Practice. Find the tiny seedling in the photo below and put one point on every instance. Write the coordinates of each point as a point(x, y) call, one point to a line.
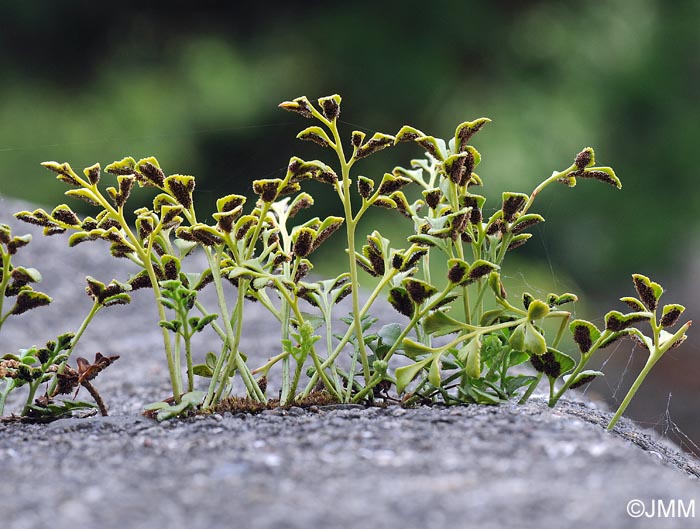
point(460, 338)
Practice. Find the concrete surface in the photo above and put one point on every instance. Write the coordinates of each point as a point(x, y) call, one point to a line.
point(326, 467)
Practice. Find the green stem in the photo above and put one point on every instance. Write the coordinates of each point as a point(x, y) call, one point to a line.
point(177, 357)
point(555, 176)
point(236, 360)
point(531, 389)
point(467, 309)
point(562, 330)
point(188, 357)
point(506, 305)
point(478, 309)
point(295, 381)
point(294, 306)
point(328, 320)
point(477, 332)
point(551, 387)
point(332, 389)
point(145, 257)
point(585, 357)
point(288, 385)
point(203, 311)
point(258, 228)
point(453, 197)
point(399, 340)
point(74, 342)
point(9, 386)
point(264, 300)
point(505, 242)
point(33, 386)
point(376, 379)
point(654, 357)
point(351, 378)
point(350, 224)
point(265, 368)
point(630, 394)
point(3, 284)
point(253, 389)
point(554, 398)
point(426, 267)
point(286, 389)
point(344, 340)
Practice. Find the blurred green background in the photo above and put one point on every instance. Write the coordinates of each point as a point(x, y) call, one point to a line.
point(198, 88)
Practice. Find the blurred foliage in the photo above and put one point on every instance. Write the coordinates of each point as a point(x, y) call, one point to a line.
point(198, 88)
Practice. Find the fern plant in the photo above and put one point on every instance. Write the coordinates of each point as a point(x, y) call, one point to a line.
point(460, 338)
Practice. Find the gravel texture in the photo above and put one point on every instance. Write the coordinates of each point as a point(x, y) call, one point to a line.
point(324, 467)
point(346, 467)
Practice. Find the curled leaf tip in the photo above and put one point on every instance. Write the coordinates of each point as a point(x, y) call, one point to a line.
point(603, 174)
